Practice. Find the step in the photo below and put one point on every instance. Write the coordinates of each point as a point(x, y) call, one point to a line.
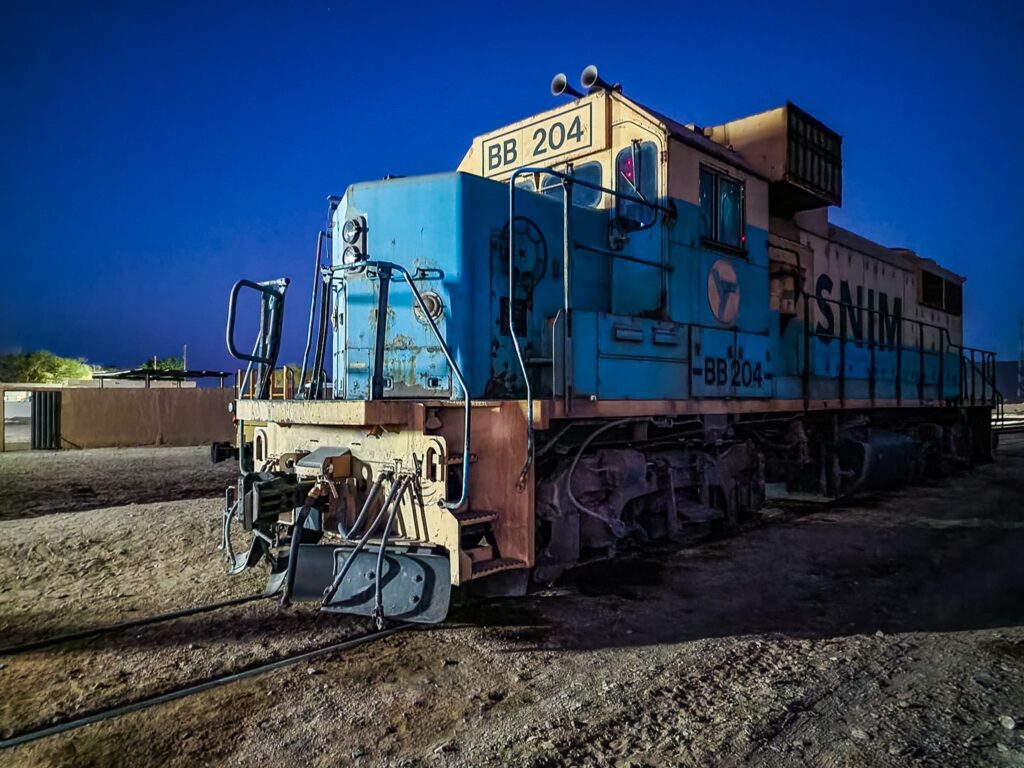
point(475, 517)
point(480, 554)
point(487, 567)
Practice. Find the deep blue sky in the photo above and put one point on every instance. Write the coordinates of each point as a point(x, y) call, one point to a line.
point(151, 154)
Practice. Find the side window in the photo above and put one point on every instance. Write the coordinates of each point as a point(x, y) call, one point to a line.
point(931, 289)
point(636, 175)
point(721, 209)
point(590, 173)
point(707, 205)
point(954, 298)
point(941, 294)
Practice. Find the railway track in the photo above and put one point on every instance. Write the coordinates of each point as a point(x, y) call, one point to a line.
point(1008, 424)
point(106, 629)
point(172, 693)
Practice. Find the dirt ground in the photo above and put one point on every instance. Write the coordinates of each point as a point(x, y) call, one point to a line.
point(44, 482)
point(884, 633)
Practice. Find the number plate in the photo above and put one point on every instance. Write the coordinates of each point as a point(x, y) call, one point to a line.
point(730, 364)
point(539, 142)
point(726, 372)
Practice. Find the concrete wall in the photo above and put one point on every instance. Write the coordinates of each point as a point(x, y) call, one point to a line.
point(100, 418)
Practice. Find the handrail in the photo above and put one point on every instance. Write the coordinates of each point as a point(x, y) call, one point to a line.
point(387, 267)
point(316, 374)
point(568, 182)
point(268, 339)
point(273, 289)
point(624, 256)
point(667, 210)
point(987, 357)
point(942, 328)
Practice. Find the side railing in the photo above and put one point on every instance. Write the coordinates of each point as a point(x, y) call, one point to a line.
point(977, 366)
point(282, 385)
point(568, 182)
point(263, 359)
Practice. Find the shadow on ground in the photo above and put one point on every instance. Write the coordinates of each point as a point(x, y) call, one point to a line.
point(943, 557)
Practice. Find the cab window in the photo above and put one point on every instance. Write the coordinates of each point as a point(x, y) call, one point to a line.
point(552, 185)
point(588, 172)
point(721, 209)
point(636, 175)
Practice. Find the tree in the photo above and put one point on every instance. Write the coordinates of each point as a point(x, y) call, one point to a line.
point(42, 367)
point(172, 363)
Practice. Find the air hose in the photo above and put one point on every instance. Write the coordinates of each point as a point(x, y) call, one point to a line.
point(293, 550)
point(391, 498)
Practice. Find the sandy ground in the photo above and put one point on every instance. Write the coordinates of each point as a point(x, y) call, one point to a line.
point(885, 633)
point(45, 482)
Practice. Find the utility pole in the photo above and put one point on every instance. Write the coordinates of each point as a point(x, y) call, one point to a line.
point(184, 357)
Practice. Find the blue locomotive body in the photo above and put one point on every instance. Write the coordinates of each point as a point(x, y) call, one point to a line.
point(633, 332)
point(644, 317)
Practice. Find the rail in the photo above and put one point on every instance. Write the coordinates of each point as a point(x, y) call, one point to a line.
point(103, 629)
point(1008, 423)
point(174, 694)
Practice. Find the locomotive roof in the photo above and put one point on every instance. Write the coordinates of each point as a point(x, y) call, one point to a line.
point(689, 134)
point(905, 258)
point(694, 136)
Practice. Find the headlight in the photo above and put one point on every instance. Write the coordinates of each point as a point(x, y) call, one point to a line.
point(352, 229)
point(351, 256)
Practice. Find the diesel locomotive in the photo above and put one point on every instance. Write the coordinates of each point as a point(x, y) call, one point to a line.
point(603, 325)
